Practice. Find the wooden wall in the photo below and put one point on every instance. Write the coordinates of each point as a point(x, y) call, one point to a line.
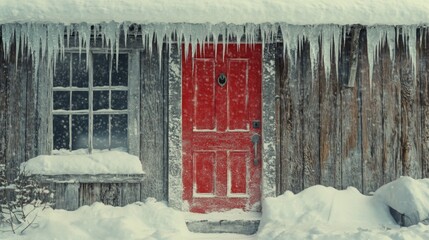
point(20, 118)
point(345, 130)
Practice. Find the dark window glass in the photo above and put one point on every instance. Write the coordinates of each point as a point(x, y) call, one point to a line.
point(61, 100)
point(62, 72)
point(61, 132)
point(119, 131)
point(120, 74)
point(101, 69)
point(80, 100)
point(79, 131)
point(101, 132)
point(119, 100)
point(101, 100)
point(79, 71)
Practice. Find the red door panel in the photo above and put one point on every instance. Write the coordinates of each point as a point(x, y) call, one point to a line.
point(219, 167)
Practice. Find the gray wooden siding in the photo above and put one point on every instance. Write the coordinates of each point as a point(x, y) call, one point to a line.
point(25, 130)
point(345, 131)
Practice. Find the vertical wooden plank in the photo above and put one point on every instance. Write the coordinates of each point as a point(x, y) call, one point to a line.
point(89, 193)
point(59, 190)
point(291, 142)
point(372, 126)
point(310, 114)
point(110, 194)
point(71, 196)
point(31, 109)
point(175, 184)
point(330, 125)
point(4, 89)
point(411, 116)
point(268, 121)
point(130, 193)
point(424, 86)
point(391, 116)
point(350, 127)
point(44, 107)
point(134, 103)
point(152, 125)
point(15, 151)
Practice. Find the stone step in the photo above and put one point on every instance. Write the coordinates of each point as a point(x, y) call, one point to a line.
point(237, 222)
point(246, 227)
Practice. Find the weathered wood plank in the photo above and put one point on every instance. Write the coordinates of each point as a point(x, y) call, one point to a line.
point(110, 194)
point(330, 127)
point(89, 193)
point(423, 53)
point(372, 136)
point(291, 137)
point(351, 154)
point(152, 125)
point(44, 115)
point(411, 117)
point(66, 196)
point(31, 110)
point(310, 114)
point(391, 117)
point(130, 193)
point(96, 178)
point(16, 118)
point(4, 89)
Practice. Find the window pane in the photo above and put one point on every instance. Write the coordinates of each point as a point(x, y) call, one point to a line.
point(101, 132)
point(61, 100)
point(79, 131)
point(101, 100)
point(119, 131)
point(101, 69)
point(120, 74)
point(61, 131)
point(62, 72)
point(119, 100)
point(79, 100)
point(79, 71)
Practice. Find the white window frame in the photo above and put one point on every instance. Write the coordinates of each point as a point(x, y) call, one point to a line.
point(133, 107)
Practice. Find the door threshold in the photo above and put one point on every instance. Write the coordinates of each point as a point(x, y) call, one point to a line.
point(234, 221)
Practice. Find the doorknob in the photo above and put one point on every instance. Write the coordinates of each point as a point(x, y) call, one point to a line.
point(255, 141)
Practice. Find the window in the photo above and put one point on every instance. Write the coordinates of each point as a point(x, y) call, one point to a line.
point(90, 102)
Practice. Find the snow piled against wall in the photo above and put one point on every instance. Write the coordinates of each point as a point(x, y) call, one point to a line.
point(79, 162)
point(366, 12)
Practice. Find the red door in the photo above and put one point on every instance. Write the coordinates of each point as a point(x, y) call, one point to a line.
point(221, 110)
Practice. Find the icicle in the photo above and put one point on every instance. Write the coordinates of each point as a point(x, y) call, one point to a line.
point(290, 36)
point(390, 36)
point(125, 27)
point(326, 50)
point(84, 35)
point(7, 36)
point(374, 36)
point(111, 32)
point(313, 37)
point(410, 32)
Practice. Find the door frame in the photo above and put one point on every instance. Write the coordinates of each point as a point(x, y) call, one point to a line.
point(268, 179)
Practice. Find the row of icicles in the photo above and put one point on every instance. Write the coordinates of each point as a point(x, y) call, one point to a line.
point(47, 40)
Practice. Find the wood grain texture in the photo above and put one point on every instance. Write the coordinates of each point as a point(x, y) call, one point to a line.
point(423, 56)
point(153, 124)
point(372, 112)
point(310, 118)
point(4, 89)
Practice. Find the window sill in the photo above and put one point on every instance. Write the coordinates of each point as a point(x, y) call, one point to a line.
point(90, 178)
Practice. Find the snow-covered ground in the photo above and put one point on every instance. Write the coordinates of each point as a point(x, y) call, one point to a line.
point(316, 213)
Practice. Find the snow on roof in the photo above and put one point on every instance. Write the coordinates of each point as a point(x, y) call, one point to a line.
point(366, 12)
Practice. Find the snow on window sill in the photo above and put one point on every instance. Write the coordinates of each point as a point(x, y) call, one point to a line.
point(79, 166)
